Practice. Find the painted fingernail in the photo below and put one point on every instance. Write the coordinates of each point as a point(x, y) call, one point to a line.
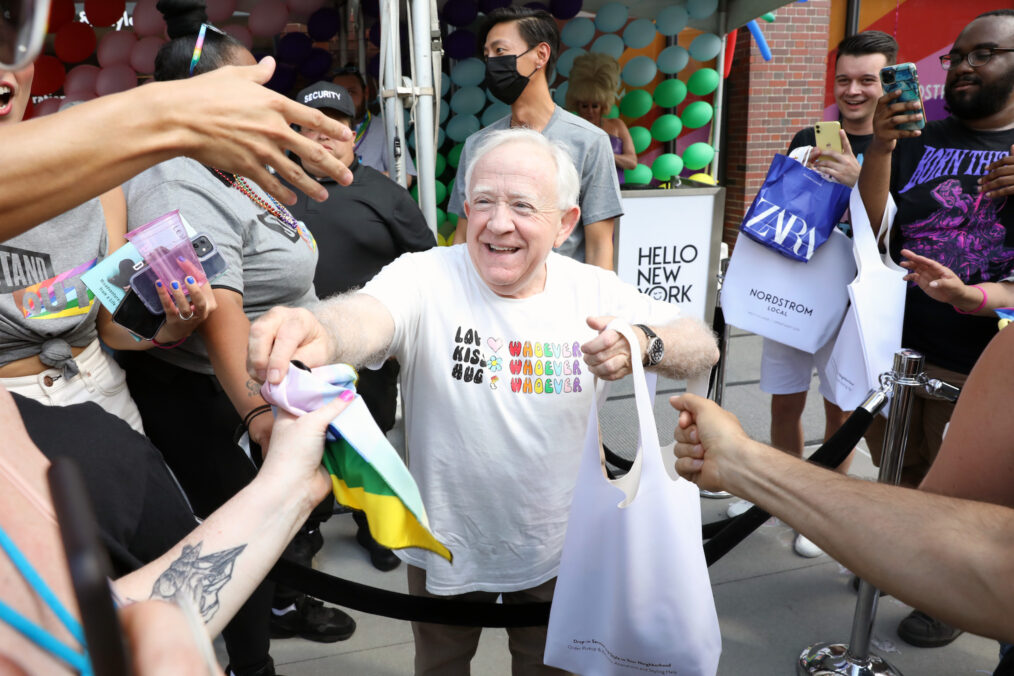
point(181, 259)
point(158, 283)
point(191, 280)
point(175, 285)
point(347, 395)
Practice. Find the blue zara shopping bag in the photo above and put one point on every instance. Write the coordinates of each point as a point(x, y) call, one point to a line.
point(795, 210)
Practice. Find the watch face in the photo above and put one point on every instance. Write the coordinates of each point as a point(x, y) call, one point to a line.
point(655, 351)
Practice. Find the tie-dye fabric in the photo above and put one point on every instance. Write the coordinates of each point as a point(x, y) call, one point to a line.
point(366, 472)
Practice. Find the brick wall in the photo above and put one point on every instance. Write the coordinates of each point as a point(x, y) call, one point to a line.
point(769, 101)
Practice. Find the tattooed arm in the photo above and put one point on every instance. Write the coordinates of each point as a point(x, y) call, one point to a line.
point(221, 562)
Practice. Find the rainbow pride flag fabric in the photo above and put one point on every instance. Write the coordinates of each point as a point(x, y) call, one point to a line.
point(366, 472)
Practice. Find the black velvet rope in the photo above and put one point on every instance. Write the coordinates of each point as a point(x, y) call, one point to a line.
point(722, 535)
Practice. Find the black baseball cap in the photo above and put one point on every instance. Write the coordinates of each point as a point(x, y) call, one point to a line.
point(325, 95)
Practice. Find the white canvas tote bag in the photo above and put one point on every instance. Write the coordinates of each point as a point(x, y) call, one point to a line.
point(871, 331)
point(633, 596)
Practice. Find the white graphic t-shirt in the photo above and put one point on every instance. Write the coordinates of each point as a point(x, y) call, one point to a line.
point(497, 400)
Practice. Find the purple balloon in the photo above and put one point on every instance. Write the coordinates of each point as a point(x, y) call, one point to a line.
point(460, 44)
point(374, 34)
point(283, 79)
point(323, 24)
point(565, 9)
point(294, 48)
point(316, 65)
point(460, 12)
point(371, 7)
point(537, 5)
point(488, 6)
point(373, 66)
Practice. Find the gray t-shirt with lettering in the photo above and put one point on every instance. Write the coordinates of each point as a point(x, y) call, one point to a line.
point(593, 157)
point(268, 261)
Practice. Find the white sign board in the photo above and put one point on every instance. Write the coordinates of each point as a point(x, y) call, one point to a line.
point(668, 246)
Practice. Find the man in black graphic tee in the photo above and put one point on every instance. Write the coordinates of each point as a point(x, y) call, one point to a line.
point(934, 178)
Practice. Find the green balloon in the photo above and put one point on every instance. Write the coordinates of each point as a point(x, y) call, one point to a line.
point(703, 82)
point(452, 218)
point(666, 128)
point(636, 103)
point(639, 175)
point(614, 112)
point(414, 191)
point(455, 155)
point(441, 165)
point(641, 137)
point(450, 188)
point(441, 191)
point(697, 114)
point(670, 93)
point(441, 217)
point(768, 16)
point(697, 156)
point(666, 166)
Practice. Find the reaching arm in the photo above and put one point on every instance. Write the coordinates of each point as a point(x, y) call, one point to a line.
point(690, 349)
point(353, 328)
point(975, 459)
point(874, 529)
point(225, 558)
point(875, 176)
point(940, 283)
point(598, 243)
point(224, 118)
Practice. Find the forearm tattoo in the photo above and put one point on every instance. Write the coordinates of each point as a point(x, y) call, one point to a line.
point(200, 578)
point(253, 388)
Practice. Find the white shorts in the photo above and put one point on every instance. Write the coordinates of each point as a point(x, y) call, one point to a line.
point(100, 380)
point(786, 370)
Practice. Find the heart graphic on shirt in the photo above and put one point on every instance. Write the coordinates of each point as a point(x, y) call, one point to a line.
point(494, 344)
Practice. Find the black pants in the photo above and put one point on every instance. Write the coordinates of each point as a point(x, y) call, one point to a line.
point(191, 420)
point(379, 390)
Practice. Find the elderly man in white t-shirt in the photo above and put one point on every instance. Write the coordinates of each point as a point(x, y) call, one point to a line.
point(500, 343)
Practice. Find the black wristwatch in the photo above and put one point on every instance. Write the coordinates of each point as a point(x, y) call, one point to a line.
point(656, 348)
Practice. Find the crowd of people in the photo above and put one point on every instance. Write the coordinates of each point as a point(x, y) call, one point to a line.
point(327, 259)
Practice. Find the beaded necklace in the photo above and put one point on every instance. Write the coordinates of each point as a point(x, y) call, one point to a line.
point(278, 211)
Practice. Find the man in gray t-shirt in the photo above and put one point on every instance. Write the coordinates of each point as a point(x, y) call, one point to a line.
point(521, 46)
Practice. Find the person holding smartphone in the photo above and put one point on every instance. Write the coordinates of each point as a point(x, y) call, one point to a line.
point(785, 371)
point(951, 183)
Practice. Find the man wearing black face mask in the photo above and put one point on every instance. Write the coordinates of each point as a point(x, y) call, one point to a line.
point(520, 48)
point(952, 185)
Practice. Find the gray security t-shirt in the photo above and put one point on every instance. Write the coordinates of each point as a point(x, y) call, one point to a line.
point(593, 157)
point(269, 262)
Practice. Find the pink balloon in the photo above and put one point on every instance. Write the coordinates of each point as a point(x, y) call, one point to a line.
point(241, 33)
point(47, 107)
point(304, 7)
point(220, 10)
point(81, 80)
point(148, 20)
point(268, 18)
point(142, 56)
point(114, 47)
point(118, 78)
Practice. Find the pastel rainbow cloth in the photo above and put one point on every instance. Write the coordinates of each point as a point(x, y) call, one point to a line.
point(366, 472)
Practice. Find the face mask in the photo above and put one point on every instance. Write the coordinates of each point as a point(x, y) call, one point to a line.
point(503, 79)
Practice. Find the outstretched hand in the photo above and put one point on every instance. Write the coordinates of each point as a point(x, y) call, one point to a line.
point(709, 442)
point(937, 280)
point(235, 124)
point(284, 334)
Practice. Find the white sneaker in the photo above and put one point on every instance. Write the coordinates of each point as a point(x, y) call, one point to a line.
point(738, 507)
point(805, 547)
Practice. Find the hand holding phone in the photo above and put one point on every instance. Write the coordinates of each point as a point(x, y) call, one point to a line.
point(827, 135)
point(903, 77)
point(143, 281)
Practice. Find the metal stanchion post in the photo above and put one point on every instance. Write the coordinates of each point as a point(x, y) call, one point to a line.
point(854, 658)
point(716, 386)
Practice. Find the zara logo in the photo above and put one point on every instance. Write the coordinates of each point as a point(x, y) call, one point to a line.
point(770, 218)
